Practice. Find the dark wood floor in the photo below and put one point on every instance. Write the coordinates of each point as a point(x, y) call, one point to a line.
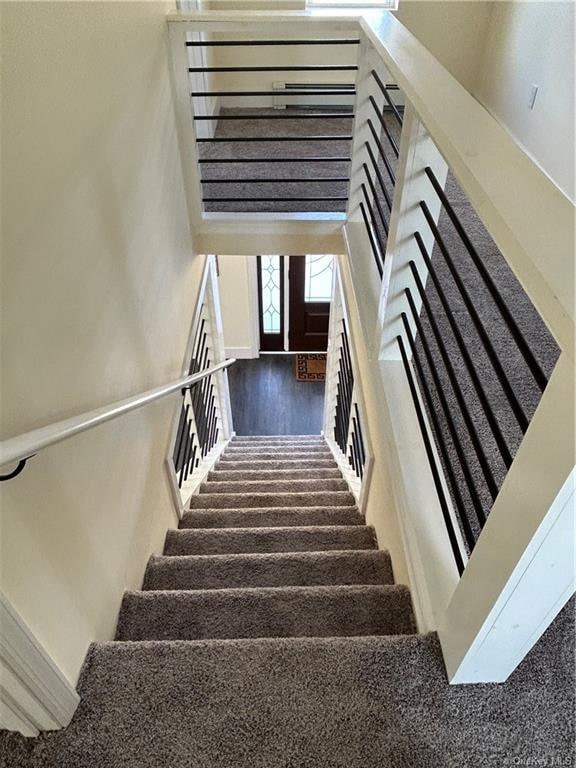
point(267, 399)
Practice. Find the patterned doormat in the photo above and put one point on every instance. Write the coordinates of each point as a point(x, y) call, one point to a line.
point(310, 367)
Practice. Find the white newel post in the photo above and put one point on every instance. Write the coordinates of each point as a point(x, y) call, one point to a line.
point(219, 353)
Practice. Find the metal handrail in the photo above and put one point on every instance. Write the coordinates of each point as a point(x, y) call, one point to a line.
point(23, 447)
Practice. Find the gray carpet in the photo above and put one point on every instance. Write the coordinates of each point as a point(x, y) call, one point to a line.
point(305, 611)
point(271, 517)
point(265, 170)
point(261, 646)
point(278, 569)
point(221, 541)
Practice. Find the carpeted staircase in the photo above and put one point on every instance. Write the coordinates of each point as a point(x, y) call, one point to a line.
point(273, 546)
point(270, 634)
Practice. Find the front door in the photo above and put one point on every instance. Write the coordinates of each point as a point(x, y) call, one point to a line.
point(310, 292)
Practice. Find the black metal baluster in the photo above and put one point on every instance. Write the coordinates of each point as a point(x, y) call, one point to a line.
point(179, 462)
point(251, 43)
point(360, 435)
point(378, 257)
point(461, 400)
point(386, 95)
point(375, 198)
point(442, 446)
point(496, 364)
point(385, 128)
point(194, 366)
point(312, 116)
point(382, 153)
point(379, 176)
point(489, 413)
point(358, 463)
point(432, 460)
point(507, 316)
point(373, 221)
point(189, 442)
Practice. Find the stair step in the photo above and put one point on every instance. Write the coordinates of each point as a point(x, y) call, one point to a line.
point(304, 473)
point(233, 449)
point(281, 455)
point(353, 702)
point(258, 517)
point(273, 464)
point(251, 500)
point(334, 611)
point(285, 569)
point(254, 440)
point(274, 486)
point(220, 541)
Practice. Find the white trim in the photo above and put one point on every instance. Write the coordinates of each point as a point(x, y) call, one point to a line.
point(254, 303)
point(539, 587)
point(192, 485)
point(34, 694)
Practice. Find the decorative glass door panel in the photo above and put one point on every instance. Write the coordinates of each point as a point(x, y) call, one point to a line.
point(271, 302)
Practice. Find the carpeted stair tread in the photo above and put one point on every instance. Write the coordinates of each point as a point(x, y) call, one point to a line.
point(272, 455)
point(240, 500)
point(283, 569)
point(272, 464)
point(251, 439)
point(233, 450)
point(339, 702)
point(334, 611)
point(220, 541)
point(274, 485)
point(303, 473)
point(258, 517)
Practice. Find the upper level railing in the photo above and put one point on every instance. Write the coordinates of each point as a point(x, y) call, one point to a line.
point(272, 118)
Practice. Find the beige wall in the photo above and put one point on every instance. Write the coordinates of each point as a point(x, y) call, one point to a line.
point(454, 31)
point(98, 288)
point(237, 284)
point(533, 43)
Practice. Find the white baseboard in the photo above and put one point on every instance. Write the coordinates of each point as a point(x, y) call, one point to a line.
point(34, 694)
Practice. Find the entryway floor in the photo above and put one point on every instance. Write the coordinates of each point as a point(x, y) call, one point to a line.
point(267, 399)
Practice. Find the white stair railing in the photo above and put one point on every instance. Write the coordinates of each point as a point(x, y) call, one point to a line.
point(346, 427)
point(490, 616)
point(202, 424)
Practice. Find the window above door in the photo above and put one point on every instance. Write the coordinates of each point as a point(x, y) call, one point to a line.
point(318, 277)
